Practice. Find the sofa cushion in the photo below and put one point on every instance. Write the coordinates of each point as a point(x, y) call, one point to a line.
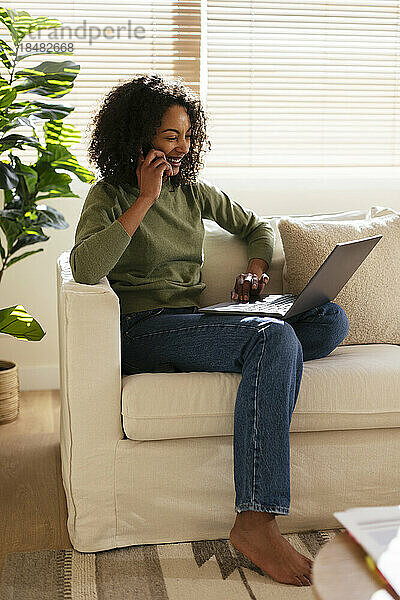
point(370, 297)
point(355, 387)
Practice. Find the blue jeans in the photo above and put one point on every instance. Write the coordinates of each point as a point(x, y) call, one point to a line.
point(269, 352)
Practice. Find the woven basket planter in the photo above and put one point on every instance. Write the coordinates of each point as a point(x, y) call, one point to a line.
point(9, 391)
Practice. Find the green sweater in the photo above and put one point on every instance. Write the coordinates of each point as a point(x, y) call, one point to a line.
point(160, 265)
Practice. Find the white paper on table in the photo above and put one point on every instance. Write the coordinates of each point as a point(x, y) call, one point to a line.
point(377, 530)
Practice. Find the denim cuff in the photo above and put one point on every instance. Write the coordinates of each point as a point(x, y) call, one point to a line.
point(280, 510)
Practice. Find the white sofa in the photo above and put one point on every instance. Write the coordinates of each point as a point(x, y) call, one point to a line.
point(148, 458)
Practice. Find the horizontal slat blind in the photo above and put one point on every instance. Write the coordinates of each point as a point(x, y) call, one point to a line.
point(287, 83)
point(170, 44)
point(303, 82)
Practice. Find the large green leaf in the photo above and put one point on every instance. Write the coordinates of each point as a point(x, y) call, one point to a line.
point(17, 140)
point(52, 184)
point(41, 109)
point(45, 109)
point(16, 321)
point(20, 230)
point(20, 23)
point(57, 132)
point(11, 230)
point(7, 16)
point(53, 79)
point(7, 93)
point(21, 256)
point(28, 112)
point(7, 54)
point(61, 158)
point(29, 237)
point(6, 125)
point(40, 215)
point(27, 178)
point(58, 193)
point(49, 217)
point(8, 177)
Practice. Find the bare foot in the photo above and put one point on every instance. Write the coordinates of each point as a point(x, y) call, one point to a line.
point(257, 536)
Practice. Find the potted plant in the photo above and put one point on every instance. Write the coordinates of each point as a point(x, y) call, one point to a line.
point(24, 187)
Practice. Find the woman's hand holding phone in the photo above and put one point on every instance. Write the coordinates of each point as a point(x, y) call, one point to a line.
point(151, 172)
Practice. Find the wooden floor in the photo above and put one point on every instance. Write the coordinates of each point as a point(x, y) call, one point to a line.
point(32, 501)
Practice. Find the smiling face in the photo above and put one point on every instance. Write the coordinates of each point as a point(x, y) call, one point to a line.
point(173, 136)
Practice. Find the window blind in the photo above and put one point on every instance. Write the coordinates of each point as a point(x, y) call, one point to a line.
point(303, 82)
point(285, 83)
point(111, 43)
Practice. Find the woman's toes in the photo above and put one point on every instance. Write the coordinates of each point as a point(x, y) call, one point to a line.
point(303, 579)
point(308, 574)
point(299, 581)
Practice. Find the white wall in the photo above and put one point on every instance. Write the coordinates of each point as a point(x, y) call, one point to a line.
point(277, 191)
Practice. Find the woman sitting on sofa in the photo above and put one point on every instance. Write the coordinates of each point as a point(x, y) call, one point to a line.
point(141, 226)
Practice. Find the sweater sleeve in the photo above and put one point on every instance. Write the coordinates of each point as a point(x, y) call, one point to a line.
point(230, 215)
point(100, 239)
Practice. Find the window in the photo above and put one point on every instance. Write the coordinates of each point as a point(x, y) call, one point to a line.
point(286, 83)
point(304, 82)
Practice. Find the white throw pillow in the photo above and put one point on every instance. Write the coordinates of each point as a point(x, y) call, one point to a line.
point(370, 297)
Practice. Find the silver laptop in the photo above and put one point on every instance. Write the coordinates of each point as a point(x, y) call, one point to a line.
point(323, 286)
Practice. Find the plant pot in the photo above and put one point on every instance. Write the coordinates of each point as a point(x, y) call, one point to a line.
point(9, 391)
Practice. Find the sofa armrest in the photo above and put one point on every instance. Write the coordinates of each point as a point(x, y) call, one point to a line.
point(90, 354)
point(90, 386)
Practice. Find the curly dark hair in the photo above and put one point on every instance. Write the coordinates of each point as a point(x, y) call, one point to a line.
point(129, 116)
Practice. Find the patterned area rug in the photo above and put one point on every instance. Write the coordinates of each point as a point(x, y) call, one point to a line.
point(211, 569)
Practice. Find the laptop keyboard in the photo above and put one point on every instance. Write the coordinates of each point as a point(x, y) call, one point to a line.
point(270, 302)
